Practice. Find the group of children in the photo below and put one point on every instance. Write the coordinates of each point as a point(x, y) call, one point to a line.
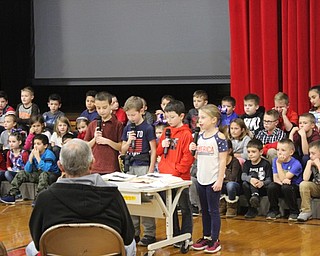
point(261, 153)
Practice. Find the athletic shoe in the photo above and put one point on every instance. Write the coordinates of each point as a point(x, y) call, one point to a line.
point(273, 215)
point(255, 201)
point(201, 244)
point(146, 240)
point(213, 247)
point(195, 210)
point(179, 244)
point(304, 216)
point(19, 198)
point(8, 199)
point(251, 213)
point(293, 217)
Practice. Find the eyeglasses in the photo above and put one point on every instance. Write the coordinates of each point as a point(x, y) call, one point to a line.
point(269, 121)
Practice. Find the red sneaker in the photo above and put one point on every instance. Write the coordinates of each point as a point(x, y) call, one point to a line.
point(213, 247)
point(201, 244)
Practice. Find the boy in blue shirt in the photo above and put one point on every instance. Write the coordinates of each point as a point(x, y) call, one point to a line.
point(287, 175)
point(41, 165)
point(50, 117)
point(228, 104)
point(139, 146)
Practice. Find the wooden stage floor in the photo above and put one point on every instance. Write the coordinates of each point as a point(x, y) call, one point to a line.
point(239, 236)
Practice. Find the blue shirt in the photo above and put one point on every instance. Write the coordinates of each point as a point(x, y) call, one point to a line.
point(48, 163)
point(293, 166)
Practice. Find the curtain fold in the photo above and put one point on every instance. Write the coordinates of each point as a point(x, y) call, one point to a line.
point(274, 47)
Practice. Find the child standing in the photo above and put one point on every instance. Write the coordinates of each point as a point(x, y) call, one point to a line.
point(104, 139)
point(314, 97)
point(139, 145)
point(228, 104)
point(82, 126)
point(212, 151)
point(287, 175)
point(50, 117)
point(310, 188)
point(253, 117)
point(90, 111)
point(239, 136)
point(16, 156)
point(303, 135)
point(177, 160)
point(231, 185)
point(256, 176)
point(26, 109)
point(36, 127)
point(200, 98)
point(40, 165)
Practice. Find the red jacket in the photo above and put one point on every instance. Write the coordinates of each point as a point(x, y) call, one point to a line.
point(178, 161)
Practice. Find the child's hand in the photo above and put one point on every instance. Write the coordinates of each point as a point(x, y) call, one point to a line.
point(254, 182)
point(284, 111)
point(260, 184)
point(316, 162)
point(302, 132)
point(165, 143)
point(97, 133)
point(31, 130)
point(131, 137)
point(294, 130)
point(217, 186)
point(192, 146)
point(286, 181)
point(36, 153)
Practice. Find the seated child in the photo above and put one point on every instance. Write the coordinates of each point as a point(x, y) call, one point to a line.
point(16, 156)
point(310, 186)
point(118, 111)
point(239, 136)
point(228, 105)
point(256, 176)
point(146, 114)
point(271, 134)
point(287, 175)
point(4, 109)
point(200, 98)
point(160, 112)
point(90, 112)
point(303, 135)
point(41, 164)
point(82, 125)
point(10, 122)
point(287, 117)
point(50, 117)
point(26, 109)
point(253, 117)
point(231, 185)
point(314, 97)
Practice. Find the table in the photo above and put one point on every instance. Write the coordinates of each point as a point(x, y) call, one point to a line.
point(155, 207)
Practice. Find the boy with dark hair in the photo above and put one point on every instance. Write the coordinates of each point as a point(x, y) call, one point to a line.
point(104, 136)
point(26, 108)
point(310, 186)
point(200, 98)
point(253, 113)
point(287, 175)
point(303, 135)
point(4, 109)
point(41, 165)
point(50, 117)
point(176, 159)
point(90, 112)
point(256, 176)
point(228, 105)
point(139, 146)
point(271, 134)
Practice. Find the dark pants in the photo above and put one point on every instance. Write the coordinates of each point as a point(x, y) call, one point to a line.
point(290, 193)
point(248, 190)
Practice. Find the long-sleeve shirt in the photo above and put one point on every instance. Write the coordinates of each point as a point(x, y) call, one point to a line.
point(48, 163)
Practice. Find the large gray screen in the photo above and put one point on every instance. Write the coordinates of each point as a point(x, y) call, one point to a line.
point(131, 38)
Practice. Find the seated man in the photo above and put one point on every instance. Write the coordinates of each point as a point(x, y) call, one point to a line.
point(80, 197)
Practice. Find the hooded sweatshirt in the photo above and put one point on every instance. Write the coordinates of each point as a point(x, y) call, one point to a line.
point(178, 160)
point(81, 200)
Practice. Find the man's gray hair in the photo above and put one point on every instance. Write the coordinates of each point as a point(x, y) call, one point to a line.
point(76, 157)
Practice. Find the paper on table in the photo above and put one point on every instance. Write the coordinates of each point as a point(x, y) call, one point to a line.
point(118, 176)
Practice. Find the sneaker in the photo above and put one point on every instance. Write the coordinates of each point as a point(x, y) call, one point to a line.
point(195, 210)
point(273, 215)
point(8, 199)
point(201, 244)
point(146, 240)
point(304, 216)
point(255, 201)
point(179, 244)
point(293, 217)
point(19, 198)
point(251, 213)
point(137, 239)
point(213, 247)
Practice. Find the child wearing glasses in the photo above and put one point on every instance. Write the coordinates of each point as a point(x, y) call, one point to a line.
point(303, 135)
point(271, 134)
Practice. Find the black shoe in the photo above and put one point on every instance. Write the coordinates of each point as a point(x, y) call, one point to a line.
point(255, 201)
point(137, 239)
point(195, 210)
point(251, 213)
point(146, 240)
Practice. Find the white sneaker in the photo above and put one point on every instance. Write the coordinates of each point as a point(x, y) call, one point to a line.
point(304, 216)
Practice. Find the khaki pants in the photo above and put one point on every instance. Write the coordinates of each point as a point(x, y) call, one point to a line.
point(308, 189)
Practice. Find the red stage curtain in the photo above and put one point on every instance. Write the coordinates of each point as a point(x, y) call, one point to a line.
point(274, 47)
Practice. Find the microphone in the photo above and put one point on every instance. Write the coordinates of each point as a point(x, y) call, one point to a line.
point(195, 138)
point(168, 136)
point(133, 129)
point(99, 123)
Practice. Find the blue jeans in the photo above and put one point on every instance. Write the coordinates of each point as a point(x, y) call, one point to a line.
point(10, 175)
point(209, 200)
point(231, 189)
